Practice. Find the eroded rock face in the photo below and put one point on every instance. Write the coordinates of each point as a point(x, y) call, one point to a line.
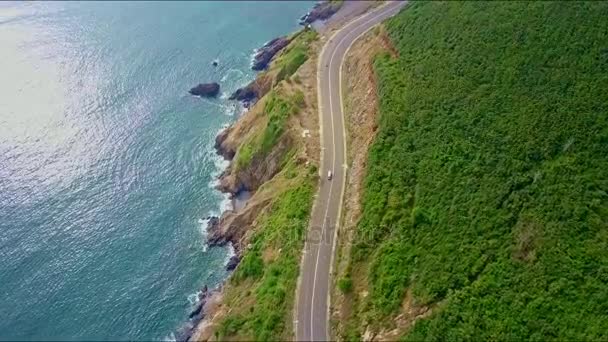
point(198, 308)
point(247, 94)
point(266, 52)
point(321, 11)
point(205, 90)
point(217, 235)
point(260, 169)
point(223, 149)
point(233, 227)
point(253, 91)
point(184, 333)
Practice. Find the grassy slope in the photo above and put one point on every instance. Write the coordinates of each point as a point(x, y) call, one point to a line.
point(260, 293)
point(277, 109)
point(295, 54)
point(263, 286)
point(487, 188)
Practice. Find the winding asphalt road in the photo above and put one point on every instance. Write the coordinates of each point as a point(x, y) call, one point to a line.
point(311, 317)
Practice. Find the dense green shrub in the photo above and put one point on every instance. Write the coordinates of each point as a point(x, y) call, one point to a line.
point(487, 183)
point(252, 266)
point(345, 284)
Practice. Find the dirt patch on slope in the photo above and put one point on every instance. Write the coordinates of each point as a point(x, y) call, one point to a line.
point(361, 112)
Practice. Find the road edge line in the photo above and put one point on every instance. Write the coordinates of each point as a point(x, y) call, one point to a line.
point(339, 216)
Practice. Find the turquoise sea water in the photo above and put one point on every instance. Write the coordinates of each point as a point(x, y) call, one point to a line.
point(107, 164)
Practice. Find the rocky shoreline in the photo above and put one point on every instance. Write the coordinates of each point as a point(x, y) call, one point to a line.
point(196, 316)
point(265, 54)
point(232, 225)
point(321, 11)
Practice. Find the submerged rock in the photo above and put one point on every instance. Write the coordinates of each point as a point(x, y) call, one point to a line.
point(232, 263)
point(184, 333)
point(266, 52)
point(197, 309)
point(205, 90)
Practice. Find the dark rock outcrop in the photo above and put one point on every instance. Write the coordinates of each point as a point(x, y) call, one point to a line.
point(216, 237)
point(248, 95)
point(213, 223)
point(184, 333)
point(321, 11)
point(206, 90)
point(202, 299)
point(266, 52)
point(232, 263)
point(253, 91)
point(234, 226)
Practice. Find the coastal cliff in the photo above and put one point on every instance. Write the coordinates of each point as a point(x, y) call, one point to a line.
point(261, 142)
point(273, 151)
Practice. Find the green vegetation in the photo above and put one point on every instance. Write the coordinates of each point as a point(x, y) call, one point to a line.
point(295, 54)
point(265, 281)
point(277, 109)
point(486, 193)
point(246, 152)
point(298, 99)
point(345, 285)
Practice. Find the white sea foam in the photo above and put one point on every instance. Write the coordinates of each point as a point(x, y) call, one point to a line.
point(169, 338)
point(230, 109)
point(232, 72)
point(230, 254)
point(220, 165)
point(226, 203)
point(203, 225)
point(193, 298)
point(252, 57)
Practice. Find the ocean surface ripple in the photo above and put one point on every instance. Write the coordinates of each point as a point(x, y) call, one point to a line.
point(106, 163)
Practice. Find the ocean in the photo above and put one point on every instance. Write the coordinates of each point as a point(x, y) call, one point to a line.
point(107, 164)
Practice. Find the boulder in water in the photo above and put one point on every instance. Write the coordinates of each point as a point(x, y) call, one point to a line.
point(205, 90)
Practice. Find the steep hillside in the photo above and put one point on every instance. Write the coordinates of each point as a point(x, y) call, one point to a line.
point(485, 204)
